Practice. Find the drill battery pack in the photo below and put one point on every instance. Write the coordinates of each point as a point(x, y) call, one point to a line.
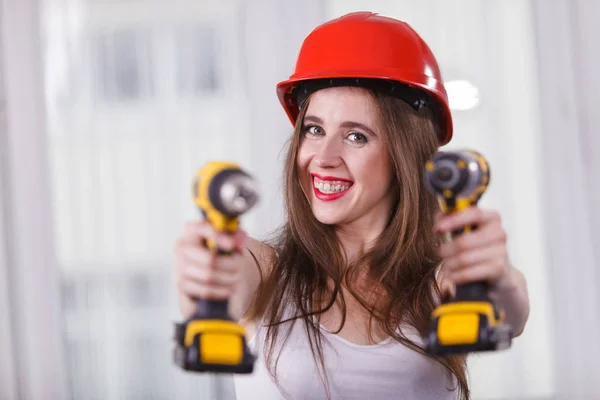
point(467, 326)
point(212, 346)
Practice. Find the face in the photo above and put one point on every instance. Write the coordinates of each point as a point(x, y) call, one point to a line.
point(344, 164)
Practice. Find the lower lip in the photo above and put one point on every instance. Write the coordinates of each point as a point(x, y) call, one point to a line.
point(329, 196)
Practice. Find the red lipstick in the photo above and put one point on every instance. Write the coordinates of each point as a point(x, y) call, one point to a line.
point(331, 178)
point(330, 196)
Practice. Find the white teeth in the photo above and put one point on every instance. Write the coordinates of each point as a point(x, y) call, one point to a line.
point(328, 188)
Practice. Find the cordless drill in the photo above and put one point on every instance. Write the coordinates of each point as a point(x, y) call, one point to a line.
point(470, 321)
point(210, 341)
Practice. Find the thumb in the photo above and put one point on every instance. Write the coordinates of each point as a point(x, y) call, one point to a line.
point(240, 238)
point(446, 286)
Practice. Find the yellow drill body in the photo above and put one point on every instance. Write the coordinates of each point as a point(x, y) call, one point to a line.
point(210, 341)
point(470, 322)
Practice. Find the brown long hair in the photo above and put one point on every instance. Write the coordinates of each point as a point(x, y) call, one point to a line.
point(310, 268)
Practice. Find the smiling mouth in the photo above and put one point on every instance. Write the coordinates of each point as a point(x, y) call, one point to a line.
point(330, 189)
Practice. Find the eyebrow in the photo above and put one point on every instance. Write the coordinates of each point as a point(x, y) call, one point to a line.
point(345, 124)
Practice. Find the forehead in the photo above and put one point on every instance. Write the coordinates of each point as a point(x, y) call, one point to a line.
point(339, 104)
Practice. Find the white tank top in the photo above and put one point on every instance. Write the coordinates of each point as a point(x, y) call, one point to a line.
point(387, 370)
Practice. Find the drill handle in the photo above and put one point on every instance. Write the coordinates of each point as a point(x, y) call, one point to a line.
point(212, 246)
point(465, 229)
point(473, 291)
point(213, 309)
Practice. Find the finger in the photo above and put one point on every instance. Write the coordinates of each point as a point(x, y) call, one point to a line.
point(469, 216)
point(437, 217)
point(201, 291)
point(475, 256)
point(441, 273)
point(489, 272)
point(447, 290)
point(487, 235)
point(445, 286)
point(198, 256)
point(240, 239)
point(225, 241)
point(231, 262)
point(210, 276)
point(196, 232)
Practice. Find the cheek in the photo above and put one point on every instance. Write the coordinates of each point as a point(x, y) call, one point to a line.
point(305, 154)
point(376, 172)
point(302, 161)
point(386, 170)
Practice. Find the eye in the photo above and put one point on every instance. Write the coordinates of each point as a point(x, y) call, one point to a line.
point(357, 137)
point(313, 130)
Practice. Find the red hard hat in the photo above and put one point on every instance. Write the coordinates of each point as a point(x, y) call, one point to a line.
point(364, 45)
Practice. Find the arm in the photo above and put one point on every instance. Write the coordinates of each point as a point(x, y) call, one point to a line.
point(259, 259)
point(512, 296)
point(482, 255)
point(201, 274)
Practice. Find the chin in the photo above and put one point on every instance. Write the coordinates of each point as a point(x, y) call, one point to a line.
point(327, 218)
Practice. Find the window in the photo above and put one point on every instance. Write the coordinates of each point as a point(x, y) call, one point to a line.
point(196, 59)
point(122, 65)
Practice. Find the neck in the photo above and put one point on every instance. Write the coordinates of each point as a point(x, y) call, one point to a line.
point(358, 236)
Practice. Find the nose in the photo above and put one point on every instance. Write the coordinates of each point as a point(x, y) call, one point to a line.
point(329, 153)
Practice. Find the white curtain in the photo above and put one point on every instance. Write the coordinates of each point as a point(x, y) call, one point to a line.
point(567, 33)
point(31, 352)
point(7, 366)
point(107, 109)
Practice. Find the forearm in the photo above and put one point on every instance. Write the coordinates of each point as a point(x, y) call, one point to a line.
point(512, 296)
point(259, 260)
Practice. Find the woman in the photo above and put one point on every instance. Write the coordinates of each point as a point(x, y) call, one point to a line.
point(337, 306)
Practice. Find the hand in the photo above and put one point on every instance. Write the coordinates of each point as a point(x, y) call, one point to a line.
point(479, 255)
point(200, 272)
